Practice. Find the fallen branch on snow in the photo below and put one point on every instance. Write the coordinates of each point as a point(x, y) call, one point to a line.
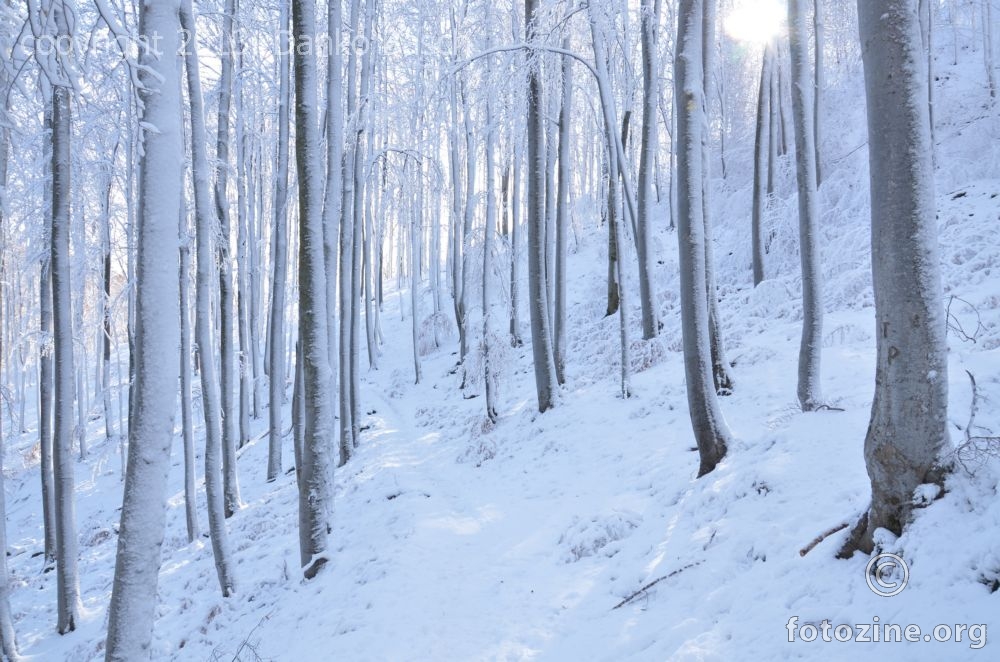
point(821, 537)
point(654, 583)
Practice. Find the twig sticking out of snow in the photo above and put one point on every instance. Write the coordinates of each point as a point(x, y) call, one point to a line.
point(654, 583)
point(821, 537)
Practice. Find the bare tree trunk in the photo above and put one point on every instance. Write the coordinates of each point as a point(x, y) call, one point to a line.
point(819, 83)
point(926, 9)
point(227, 352)
point(316, 467)
point(760, 195)
point(991, 75)
point(562, 214)
point(541, 338)
point(46, 404)
point(908, 428)
point(205, 223)
point(515, 240)
point(647, 166)
point(187, 416)
point(279, 257)
point(720, 366)
point(68, 583)
point(8, 642)
point(132, 610)
point(710, 429)
point(811, 347)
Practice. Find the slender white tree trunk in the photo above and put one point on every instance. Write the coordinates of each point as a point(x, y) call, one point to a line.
point(760, 194)
point(279, 257)
point(647, 166)
point(205, 223)
point(562, 213)
point(187, 416)
point(227, 350)
point(811, 346)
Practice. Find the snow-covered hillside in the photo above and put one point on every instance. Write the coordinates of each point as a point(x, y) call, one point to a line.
point(456, 539)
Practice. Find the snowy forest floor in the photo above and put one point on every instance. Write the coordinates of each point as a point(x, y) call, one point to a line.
point(456, 540)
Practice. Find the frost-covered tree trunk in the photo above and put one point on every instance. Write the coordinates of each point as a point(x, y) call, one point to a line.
point(45, 386)
point(187, 415)
point(926, 9)
point(991, 74)
point(760, 194)
point(720, 365)
point(157, 340)
point(279, 256)
point(908, 428)
point(469, 214)
point(811, 345)
point(347, 240)
point(819, 31)
point(710, 429)
point(8, 642)
point(316, 466)
point(68, 583)
point(205, 223)
point(647, 165)
point(541, 337)
point(562, 214)
point(227, 351)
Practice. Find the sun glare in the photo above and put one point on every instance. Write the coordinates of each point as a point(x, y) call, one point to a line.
point(755, 21)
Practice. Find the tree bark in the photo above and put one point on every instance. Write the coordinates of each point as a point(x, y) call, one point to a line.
point(140, 538)
point(227, 350)
point(541, 338)
point(205, 223)
point(811, 346)
point(647, 166)
point(760, 194)
point(279, 257)
point(907, 431)
point(67, 579)
point(710, 429)
point(316, 465)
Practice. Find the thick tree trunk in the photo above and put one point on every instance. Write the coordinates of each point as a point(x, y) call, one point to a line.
point(710, 430)
point(541, 337)
point(316, 467)
point(68, 583)
point(140, 538)
point(811, 345)
point(908, 428)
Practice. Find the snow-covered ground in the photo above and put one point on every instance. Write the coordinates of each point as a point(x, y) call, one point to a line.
point(457, 540)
